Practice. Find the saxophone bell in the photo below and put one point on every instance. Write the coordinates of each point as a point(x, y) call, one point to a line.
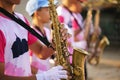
point(94, 58)
point(79, 56)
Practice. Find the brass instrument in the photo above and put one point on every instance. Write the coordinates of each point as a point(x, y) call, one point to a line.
point(76, 69)
point(101, 46)
point(95, 58)
point(78, 64)
point(87, 25)
point(97, 4)
point(96, 26)
point(95, 44)
point(95, 36)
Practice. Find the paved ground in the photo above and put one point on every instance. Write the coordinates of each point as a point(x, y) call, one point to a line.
point(109, 67)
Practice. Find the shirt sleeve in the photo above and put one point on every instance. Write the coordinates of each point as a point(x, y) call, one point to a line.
point(2, 46)
point(31, 39)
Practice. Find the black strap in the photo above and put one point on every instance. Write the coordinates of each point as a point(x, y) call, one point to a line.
point(73, 17)
point(24, 25)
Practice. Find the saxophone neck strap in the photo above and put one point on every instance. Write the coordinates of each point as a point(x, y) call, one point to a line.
point(27, 27)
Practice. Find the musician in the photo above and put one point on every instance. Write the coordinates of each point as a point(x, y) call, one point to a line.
point(69, 13)
point(40, 17)
point(14, 44)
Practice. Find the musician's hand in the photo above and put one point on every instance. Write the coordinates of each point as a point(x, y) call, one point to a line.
point(64, 32)
point(55, 73)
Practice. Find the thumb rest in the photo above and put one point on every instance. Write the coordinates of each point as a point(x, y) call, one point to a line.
point(76, 69)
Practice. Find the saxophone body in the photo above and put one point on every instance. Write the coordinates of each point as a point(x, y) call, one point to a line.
point(96, 46)
point(96, 57)
point(76, 69)
point(78, 62)
point(101, 46)
point(95, 35)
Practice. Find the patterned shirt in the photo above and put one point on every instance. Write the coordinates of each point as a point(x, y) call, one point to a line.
point(14, 41)
point(74, 21)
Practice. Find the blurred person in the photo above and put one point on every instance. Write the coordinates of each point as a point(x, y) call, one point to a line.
point(14, 44)
point(40, 16)
point(69, 13)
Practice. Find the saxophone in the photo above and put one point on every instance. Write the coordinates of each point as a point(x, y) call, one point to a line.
point(96, 47)
point(95, 58)
point(76, 69)
point(95, 36)
point(101, 46)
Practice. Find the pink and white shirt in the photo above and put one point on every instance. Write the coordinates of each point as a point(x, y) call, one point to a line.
point(66, 17)
point(14, 41)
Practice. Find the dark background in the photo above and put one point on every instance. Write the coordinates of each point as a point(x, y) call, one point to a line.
point(110, 24)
